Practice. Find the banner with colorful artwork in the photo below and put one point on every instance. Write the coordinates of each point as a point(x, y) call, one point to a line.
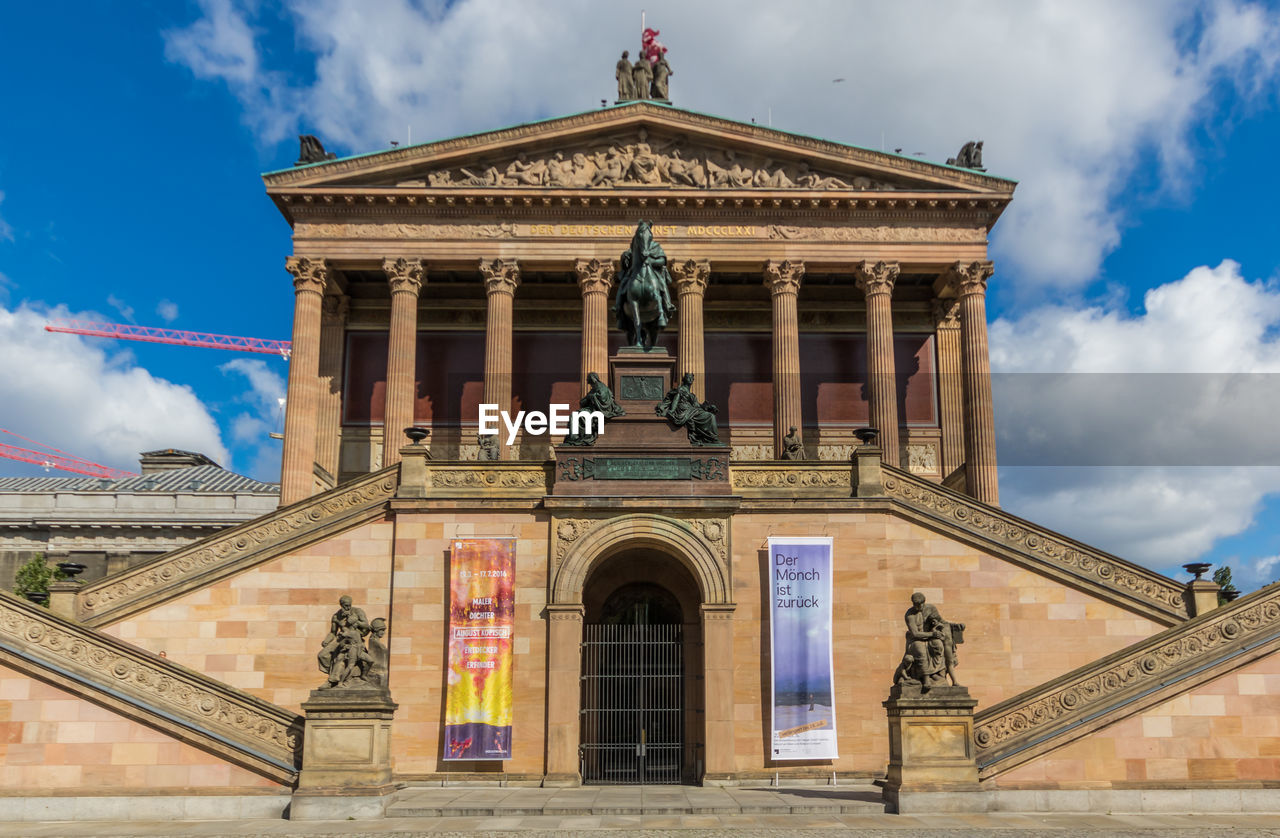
point(477, 716)
point(800, 611)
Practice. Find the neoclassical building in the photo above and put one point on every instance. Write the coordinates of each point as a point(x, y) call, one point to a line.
point(820, 287)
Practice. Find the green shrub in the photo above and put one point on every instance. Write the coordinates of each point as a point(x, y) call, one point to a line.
point(35, 575)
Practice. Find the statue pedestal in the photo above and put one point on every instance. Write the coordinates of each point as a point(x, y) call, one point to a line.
point(641, 454)
point(346, 755)
point(931, 754)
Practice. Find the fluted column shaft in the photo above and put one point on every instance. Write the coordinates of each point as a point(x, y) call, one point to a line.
point(946, 321)
point(877, 281)
point(595, 279)
point(501, 276)
point(691, 284)
point(333, 333)
point(979, 416)
point(405, 277)
point(297, 468)
point(783, 281)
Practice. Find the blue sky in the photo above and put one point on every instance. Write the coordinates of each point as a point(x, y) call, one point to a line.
point(1143, 136)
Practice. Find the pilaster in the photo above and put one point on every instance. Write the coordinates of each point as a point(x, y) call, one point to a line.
point(877, 281)
point(564, 699)
point(691, 278)
point(501, 277)
point(595, 280)
point(405, 277)
point(717, 644)
point(783, 281)
point(297, 479)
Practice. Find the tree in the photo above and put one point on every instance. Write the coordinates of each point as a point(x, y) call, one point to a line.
point(35, 576)
point(1222, 577)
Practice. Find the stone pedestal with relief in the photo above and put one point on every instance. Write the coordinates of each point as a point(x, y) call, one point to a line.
point(932, 765)
point(346, 755)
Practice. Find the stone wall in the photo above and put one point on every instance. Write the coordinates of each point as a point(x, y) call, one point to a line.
point(52, 740)
point(1227, 730)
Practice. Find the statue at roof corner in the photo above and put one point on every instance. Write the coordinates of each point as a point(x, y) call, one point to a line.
point(310, 150)
point(661, 72)
point(970, 156)
point(643, 303)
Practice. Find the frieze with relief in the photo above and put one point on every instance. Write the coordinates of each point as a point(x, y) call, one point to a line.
point(641, 160)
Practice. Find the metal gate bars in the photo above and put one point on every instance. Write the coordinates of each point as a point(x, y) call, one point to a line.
point(632, 704)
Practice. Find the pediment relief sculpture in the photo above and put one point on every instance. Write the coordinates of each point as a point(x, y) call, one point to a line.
point(647, 162)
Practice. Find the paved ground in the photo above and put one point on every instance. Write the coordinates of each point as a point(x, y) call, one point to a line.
point(656, 812)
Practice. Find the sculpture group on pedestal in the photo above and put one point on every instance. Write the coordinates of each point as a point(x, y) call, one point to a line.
point(648, 77)
point(598, 398)
point(930, 657)
point(684, 410)
point(353, 654)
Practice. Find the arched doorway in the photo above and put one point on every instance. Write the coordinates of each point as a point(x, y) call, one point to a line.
point(641, 650)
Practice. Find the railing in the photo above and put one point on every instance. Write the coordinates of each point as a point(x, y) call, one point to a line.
point(187, 704)
point(1028, 724)
point(232, 550)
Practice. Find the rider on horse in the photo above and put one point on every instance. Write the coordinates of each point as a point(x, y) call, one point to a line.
point(644, 263)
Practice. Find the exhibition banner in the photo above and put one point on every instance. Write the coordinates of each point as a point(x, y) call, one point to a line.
point(477, 716)
point(800, 611)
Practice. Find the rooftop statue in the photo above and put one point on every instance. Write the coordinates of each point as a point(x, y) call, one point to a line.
point(661, 72)
point(684, 410)
point(642, 72)
point(626, 82)
point(970, 156)
point(310, 150)
point(643, 303)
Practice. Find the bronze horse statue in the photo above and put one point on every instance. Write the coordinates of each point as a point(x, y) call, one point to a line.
point(643, 304)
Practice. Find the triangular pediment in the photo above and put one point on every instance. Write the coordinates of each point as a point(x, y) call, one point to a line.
point(644, 146)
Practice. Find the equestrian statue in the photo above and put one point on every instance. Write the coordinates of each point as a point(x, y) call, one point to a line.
point(643, 304)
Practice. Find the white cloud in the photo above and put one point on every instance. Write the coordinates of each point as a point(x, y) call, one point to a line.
point(1177, 402)
point(68, 392)
point(168, 310)
point(1068, 97)
point(6, 231)
point(264, 397)
point(126, 310)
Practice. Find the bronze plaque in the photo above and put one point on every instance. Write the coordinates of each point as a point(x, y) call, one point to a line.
point(648, 387)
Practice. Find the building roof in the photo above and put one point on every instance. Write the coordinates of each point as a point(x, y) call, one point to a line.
point(208, 479)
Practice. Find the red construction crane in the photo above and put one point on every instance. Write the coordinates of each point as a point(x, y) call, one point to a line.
point(59, 459)
point(152, 334)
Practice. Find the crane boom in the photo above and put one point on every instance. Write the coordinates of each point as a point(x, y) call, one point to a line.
point(61, 462)
point(152, 334)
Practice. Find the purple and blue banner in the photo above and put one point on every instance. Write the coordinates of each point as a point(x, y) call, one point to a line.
point(800, 611)
point(477, 716)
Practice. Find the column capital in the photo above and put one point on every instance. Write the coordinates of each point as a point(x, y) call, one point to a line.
point(501, 276)
point(969, 278)
point(595, 275)
point(334, 307)
point(783, 277)
point(405, 274)
point(876, 277)
point(946, 313)
point(691, 275)
point(308, 274)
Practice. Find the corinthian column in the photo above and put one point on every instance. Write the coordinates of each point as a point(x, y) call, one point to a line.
point(297, 468)
point(691, 284)
point(783, 281)
point(970, 282)
point(946, 324)
point(595, 278)
point(333, 333)
point(876, 281)
point(405, 277)
point(501, 276)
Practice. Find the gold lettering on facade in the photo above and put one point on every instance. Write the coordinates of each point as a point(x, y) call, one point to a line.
point(623, 231)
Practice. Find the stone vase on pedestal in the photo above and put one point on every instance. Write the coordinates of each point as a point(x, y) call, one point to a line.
point(931, 753)
point(346, 755)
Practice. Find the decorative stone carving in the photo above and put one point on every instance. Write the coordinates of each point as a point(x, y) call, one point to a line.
point(404, 274)
point(691, 275)
point(1163, 594)
point(481, 478)
point(922, 458)
point(189, 697)
point(715, 531)
point(227, 549)
point(946, 313)
point(343, 656)
point(969, 157)
point(569, 530)
point(792, 478)
point(752, 452)
point(501, 276)
point(308, 274)
point(375, 230)
point(878, 233)
point(836, 452)
point(487, 447)
point(783, 277)
point(1145, 666)
point(930, 657)
point(876, 278)
point(638, 160)
point(594, 275)
point(970, 278)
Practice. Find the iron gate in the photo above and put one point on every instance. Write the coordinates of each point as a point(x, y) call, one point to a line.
point(632, 704)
